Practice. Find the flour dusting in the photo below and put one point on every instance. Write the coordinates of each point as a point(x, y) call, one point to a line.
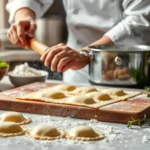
point(116, 135)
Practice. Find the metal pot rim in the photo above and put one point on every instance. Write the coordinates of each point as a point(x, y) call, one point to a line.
point(120, 48)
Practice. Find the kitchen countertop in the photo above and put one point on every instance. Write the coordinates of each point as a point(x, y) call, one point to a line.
point(19, 55)
point(117, 136)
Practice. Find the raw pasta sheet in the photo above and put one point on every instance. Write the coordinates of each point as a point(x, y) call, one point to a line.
point(58, 96)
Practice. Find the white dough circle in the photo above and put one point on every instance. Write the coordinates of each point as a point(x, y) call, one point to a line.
point(84, 133)
point(45, 132)
point(14, 117)
point(8, 129)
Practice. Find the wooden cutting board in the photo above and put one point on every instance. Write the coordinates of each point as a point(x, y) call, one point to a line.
point(120, 112)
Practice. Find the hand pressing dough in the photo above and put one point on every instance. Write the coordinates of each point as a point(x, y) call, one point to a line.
point(65, 87)
point(45, 132)
point(14, 117)
point(8, 129)
point(84, 133)
point(99, 96)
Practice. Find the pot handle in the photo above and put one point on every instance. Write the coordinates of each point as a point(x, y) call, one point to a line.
point(85, 53)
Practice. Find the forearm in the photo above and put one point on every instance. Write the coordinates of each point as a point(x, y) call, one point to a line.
point(39, 7)
point(105, 40)
point(134, 25)
point(24, 13)
point(102, 41)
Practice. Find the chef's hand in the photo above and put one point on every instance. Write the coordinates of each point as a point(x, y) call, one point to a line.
point(24, 26)
point(62, 58)
point(20, 31)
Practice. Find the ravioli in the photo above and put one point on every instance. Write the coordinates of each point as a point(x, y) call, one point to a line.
point(84, 133)
point(117, 92)
point(14, 117)
point(65, 87)
point(45, 132)
point(82, 91)
point(99, 96)
point(81, 96)
point(8, 129)
point(81, 99)
point(49, 93)
point(54, 95)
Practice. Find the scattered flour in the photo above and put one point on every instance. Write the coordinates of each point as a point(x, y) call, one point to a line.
point(110, 132)
point(116, 135)
point(145, 139)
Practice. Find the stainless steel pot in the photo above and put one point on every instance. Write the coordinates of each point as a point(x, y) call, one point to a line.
point(119, 65)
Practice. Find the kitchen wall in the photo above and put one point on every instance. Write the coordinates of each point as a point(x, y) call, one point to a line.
point(3, 15)
point(51, 27)
point(57, 10)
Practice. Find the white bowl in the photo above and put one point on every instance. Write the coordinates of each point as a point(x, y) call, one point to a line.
point(20, 80)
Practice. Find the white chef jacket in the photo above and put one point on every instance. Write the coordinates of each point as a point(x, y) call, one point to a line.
point(123, 21)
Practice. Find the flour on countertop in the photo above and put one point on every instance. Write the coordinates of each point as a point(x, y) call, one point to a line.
point(145, 139)
point(115, 134)
point(110, 132)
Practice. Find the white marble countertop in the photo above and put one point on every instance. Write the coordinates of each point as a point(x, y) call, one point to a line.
point(117, 136)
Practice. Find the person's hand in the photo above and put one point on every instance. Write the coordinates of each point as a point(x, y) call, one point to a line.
point(62, 58)
point(20, 31)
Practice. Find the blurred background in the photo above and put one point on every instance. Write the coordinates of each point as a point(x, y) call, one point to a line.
point(51, 30)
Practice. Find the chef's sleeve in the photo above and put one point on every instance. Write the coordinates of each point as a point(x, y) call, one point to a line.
point(38, 6)
point(136, 21)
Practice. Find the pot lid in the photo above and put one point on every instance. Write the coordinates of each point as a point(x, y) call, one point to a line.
point(120, 48)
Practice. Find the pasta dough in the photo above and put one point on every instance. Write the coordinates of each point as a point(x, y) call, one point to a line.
point(45, 132)
point(47, 93)
point(82, 90)
point(81, 99)
point(54, 95)
point(99, 96)
point(10, 129)
point(14, 117)
point(80, 96)
point(65, 87)
point(84, 133)
point(116, 92)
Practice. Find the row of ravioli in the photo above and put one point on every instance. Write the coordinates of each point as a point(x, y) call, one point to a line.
point(84, 96)
point(11, 125)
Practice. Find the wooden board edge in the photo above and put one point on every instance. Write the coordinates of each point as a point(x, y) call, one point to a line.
point(63, 111)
